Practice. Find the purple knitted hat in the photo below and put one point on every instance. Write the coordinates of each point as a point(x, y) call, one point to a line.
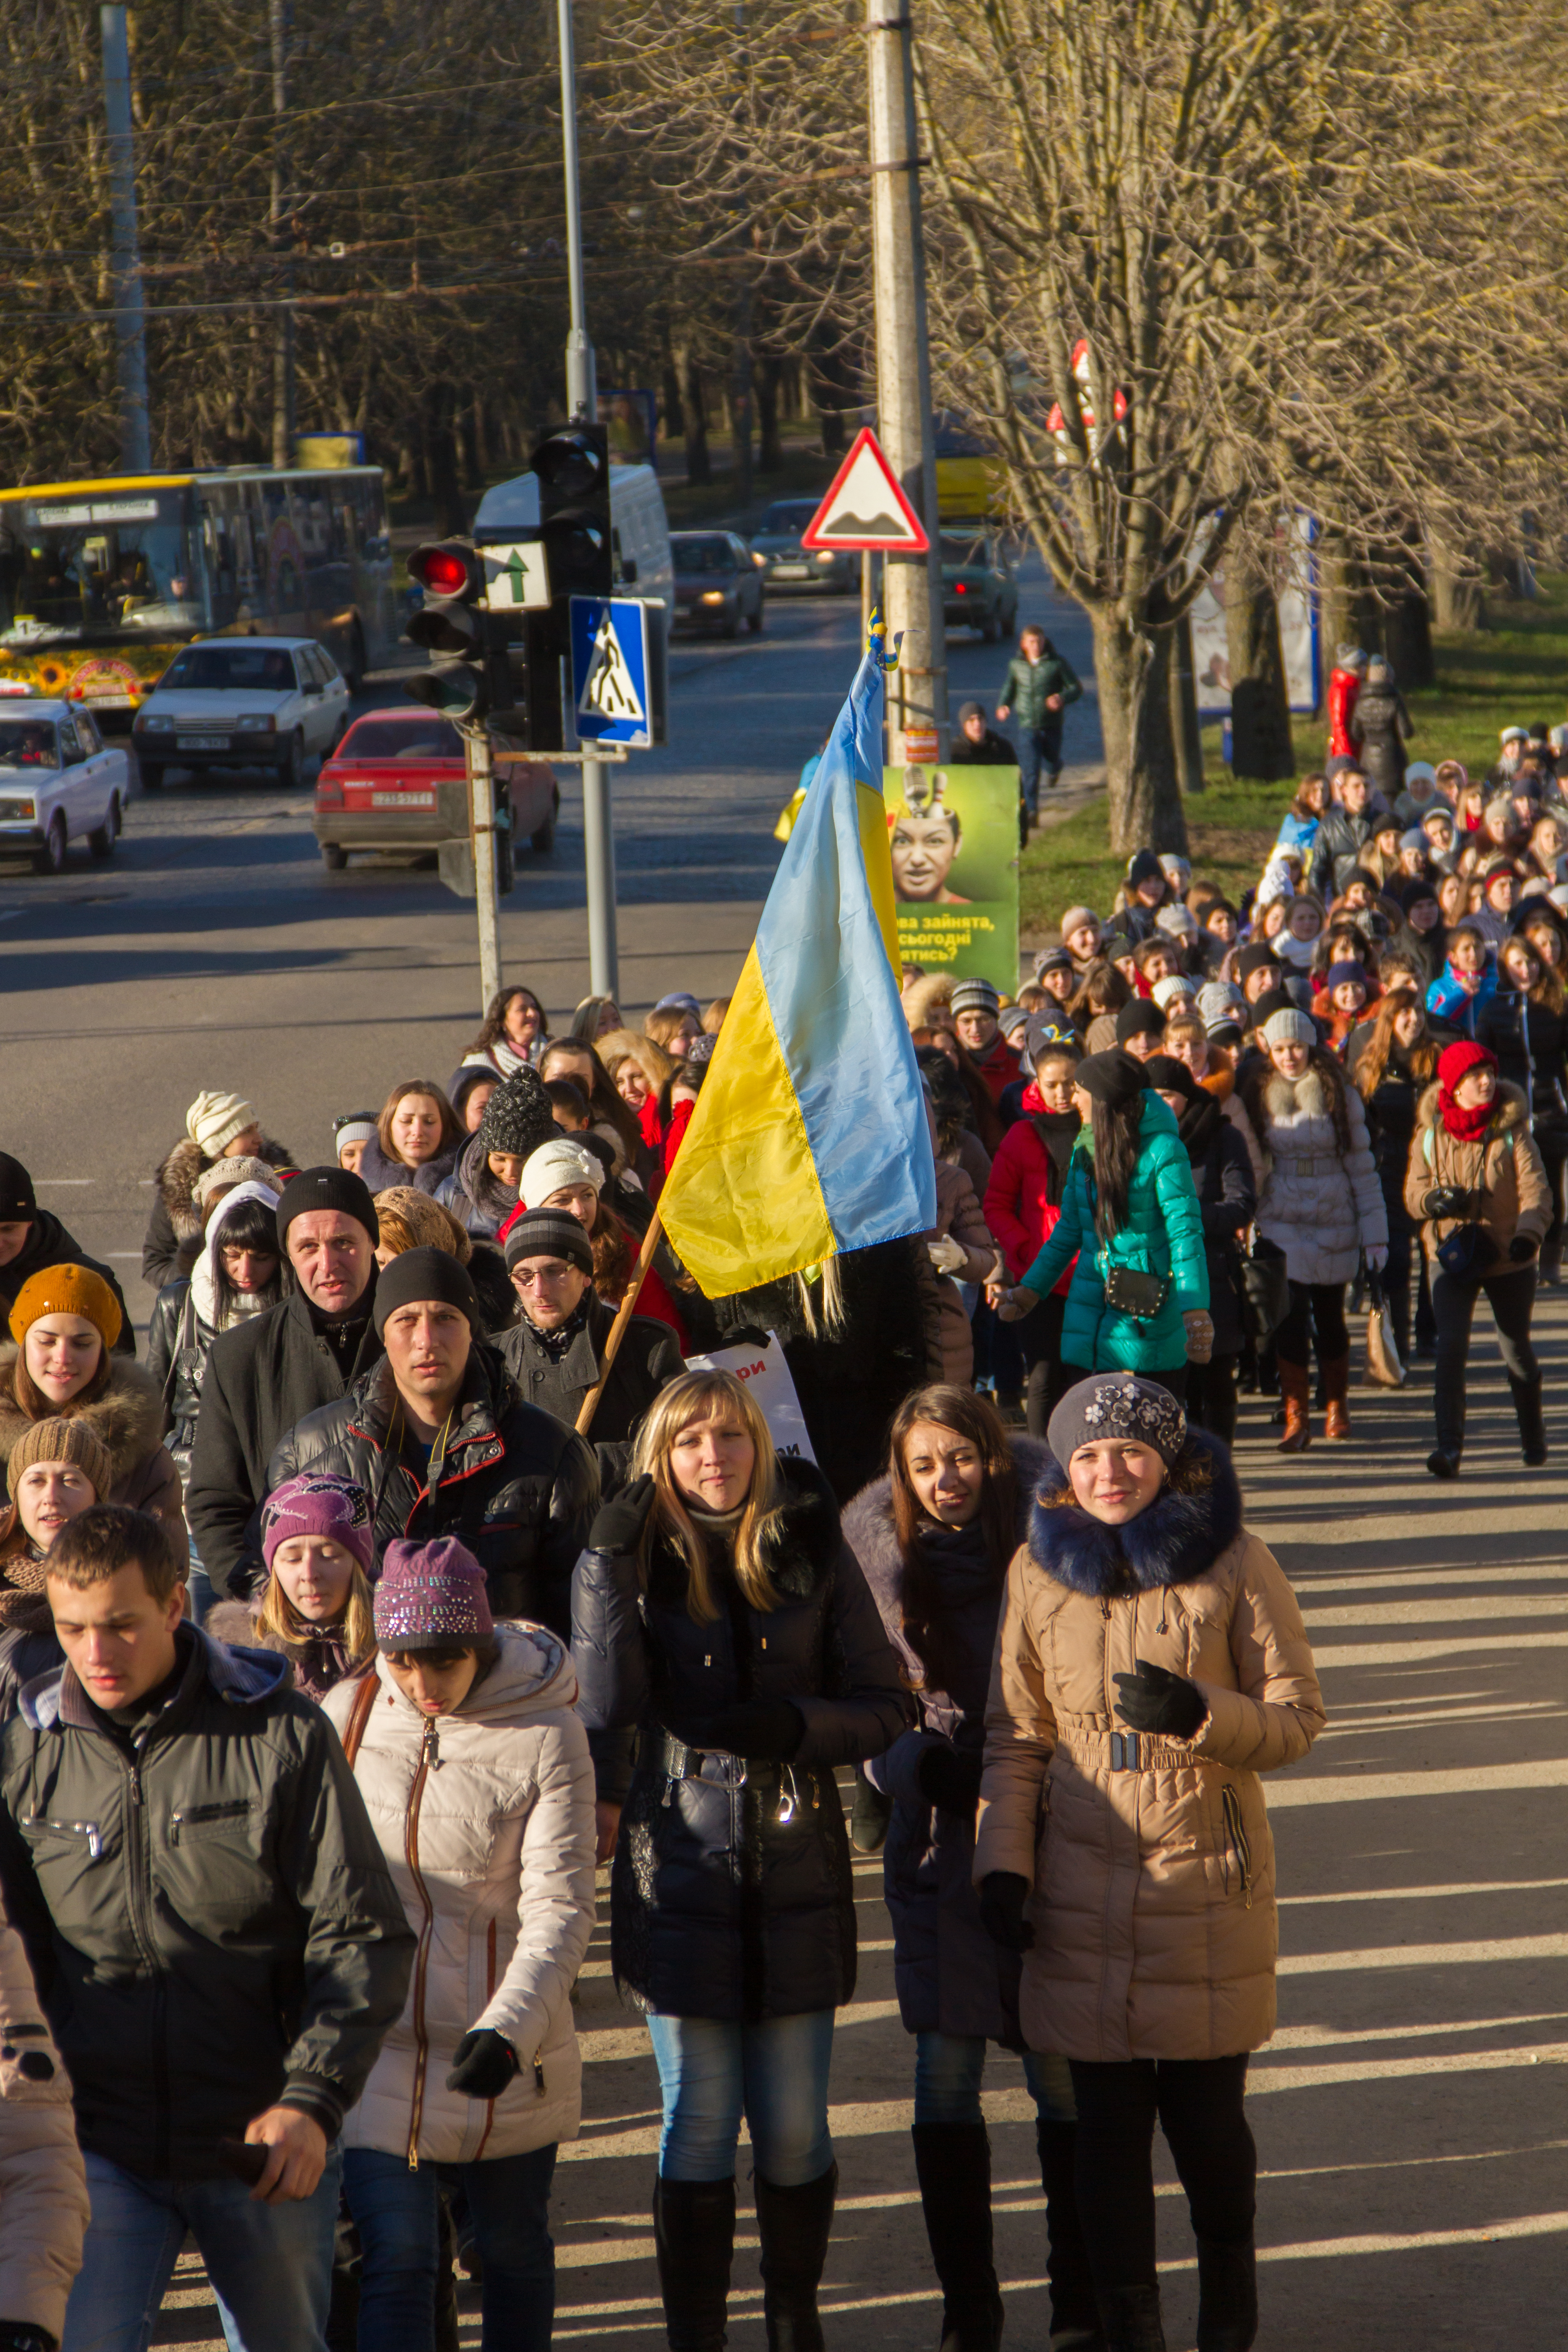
point(431, 1596)
point(315, 1505)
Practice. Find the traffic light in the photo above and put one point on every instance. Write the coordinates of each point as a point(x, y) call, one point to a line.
point(482, 676)
point(573, 469)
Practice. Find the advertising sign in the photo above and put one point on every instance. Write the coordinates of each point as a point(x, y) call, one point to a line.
point(954, 841)
point(1296, 595)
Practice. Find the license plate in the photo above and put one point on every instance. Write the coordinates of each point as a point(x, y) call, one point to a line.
point(403, 800)
point(201, 742)
point(792, 572)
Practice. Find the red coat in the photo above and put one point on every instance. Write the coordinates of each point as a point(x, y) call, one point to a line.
point(675, 1134)
point(1343, 687)
point(1018, 1207)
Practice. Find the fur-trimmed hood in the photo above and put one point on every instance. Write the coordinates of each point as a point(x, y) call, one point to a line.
point(1176, 1541)
point(1307, 1096)
point(177, 1181)
point(127, 1419)
point(869, 1532)
point(801, 1549)
point(1510, 1117)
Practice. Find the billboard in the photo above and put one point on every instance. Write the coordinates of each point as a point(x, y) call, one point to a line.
point(954, 841)
point(1295, 592)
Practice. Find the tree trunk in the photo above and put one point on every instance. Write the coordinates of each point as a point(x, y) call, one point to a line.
point(1186, 735)
point(1132, 673)
point(672, 421)
point(1348, 613)
point(1456, 589)
point(1407, 635)
point(767, 379)
point(699, 465)
point(1260, 702)
point(441, 444)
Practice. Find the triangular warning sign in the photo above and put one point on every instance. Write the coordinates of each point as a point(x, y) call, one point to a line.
point(866, 507)
point(608, 689)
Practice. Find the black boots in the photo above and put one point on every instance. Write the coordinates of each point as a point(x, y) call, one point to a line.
point(1131, 2318)
point(1531, 1421)
point(1227, 2297)
point(869, 1814)
point(794, 2225)
point(1074, 2322)
point(694, 2239)
point(952, 2164)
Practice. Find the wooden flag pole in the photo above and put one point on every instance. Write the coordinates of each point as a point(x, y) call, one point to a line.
point(624, 1313)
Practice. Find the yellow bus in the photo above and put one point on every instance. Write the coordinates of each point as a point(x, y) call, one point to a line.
point(102, 581)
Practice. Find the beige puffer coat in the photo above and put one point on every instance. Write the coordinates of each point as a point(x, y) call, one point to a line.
point(1149, 1858)
point(485, 1818)
point(1503, 1166)
point(1321, 1204)
point(43, 2187)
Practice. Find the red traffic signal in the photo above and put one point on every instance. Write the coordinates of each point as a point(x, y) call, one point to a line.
point(449, 568)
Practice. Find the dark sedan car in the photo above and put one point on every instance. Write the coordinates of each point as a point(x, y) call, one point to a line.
point(802, 570)
point(717, 585)
point(978, 590)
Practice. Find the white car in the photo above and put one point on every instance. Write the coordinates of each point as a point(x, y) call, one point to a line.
point(243, 702)
point(59, 782)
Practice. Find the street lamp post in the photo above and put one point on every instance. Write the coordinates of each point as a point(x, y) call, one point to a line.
point(125, 264)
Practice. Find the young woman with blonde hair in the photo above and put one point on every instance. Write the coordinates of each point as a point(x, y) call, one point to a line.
point(719, 1611)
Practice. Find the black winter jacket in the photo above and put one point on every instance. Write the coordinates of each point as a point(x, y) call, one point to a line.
point(261, 1379)
point(516, 1487)
point(851, 1384)
point(951, 1975)
point(648, 1360)
point(1383, 726)
point(1530, 1041)
point(1227, 1201)
point(1390, 1114)
point(49, 1243)
point(211, 1921)
point(1336, 851)
point(731, 1893)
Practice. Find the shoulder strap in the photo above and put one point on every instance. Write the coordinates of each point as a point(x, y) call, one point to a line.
point(354, 1730)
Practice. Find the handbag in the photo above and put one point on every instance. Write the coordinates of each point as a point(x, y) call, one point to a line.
point(1383, 1368)
point(1468, 1253)
point(1141, 1296)
point(1265, 1292)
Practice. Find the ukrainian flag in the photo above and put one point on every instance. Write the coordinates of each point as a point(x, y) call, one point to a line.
point(809, 1136)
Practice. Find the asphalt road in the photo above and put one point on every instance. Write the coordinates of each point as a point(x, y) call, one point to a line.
point(216, 952)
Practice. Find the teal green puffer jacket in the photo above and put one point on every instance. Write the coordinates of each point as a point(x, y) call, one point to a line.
point(1163, 1234)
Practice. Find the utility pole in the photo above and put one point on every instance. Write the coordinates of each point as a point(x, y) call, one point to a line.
point(483, 822)
point(583, 404)
point(280, 232)
point(911, 584)
point(125, 265)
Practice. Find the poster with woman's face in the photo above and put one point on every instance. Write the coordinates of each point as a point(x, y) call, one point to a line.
point(953, 837)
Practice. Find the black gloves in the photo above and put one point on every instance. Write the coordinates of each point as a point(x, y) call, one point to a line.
point(1003, 1895)
point(949, 1780)
point(1521, 1247)
point(618, 1525)
point(1153, 1699)
point(763, 1730)
point(484, 2064)
point(21, 2336)
point(1447, 1201)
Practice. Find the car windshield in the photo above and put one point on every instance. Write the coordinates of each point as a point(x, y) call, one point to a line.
point(713, 554)
point(27, 743)
point(790, 517)
point(962, 551)
point(416, 737)
point(233, 667)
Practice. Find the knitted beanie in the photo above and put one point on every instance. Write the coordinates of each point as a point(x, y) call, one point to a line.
point(1141, 1018)
point(66, 1291)
point(1052, 960)
point(17, 1205)
point(354, 1126)
point(214, 1120)
point(431, 1596)
point(1344, 976)
point(519, 1116)
point(243, 1170)
point(975, 996)
point(1079, 918)
point(1119, 1406)
point(1114, 1077)
point(1455, 1062)
point(562, 1160)
point(426, 1274)
point(546, 1233)
point(63, 1438)
point(314, 1504)
point(1169, 1076)
point(1175, 985)
point(1289, 1027)
point(327, 1188)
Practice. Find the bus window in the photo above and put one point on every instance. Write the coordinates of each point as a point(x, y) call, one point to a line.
point(122, 566)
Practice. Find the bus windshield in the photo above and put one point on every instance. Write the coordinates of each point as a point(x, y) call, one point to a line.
point(121, 564)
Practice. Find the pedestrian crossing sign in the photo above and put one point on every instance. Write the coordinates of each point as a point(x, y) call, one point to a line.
point(610, 670)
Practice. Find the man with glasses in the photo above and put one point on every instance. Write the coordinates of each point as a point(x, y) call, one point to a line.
point(556, 1353)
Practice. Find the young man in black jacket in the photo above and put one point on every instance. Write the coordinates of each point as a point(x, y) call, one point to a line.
point(216, 1938)
point(266, 1375)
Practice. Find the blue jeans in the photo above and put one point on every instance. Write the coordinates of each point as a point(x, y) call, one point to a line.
point(712, 2072)
point(948, 2068)
point(394, 2211)
point(1039, 747)
point(271, 2265)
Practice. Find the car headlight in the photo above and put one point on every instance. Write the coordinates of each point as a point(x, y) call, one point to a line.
point(712, 595)
point(148, 722)
point(826, 555)
point(14, 809)
point(255, 723)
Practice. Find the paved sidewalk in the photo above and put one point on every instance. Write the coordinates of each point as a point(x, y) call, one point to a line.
point(1409, 2113)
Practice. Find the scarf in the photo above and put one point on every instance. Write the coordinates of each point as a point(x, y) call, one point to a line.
point(1059, 1131)
point(556, 1343)
point(1466, 1126)
point(1197, 1124)
point(507, 1058)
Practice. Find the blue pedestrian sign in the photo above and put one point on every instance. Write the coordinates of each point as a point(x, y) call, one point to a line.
point(612, 684)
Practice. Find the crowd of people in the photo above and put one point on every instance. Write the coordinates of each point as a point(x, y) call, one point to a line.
point(397, 1587)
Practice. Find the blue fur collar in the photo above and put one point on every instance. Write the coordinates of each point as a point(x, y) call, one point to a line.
point(1174, 1541)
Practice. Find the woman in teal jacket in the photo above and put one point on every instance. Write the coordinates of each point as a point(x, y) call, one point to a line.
point(1130, 1216)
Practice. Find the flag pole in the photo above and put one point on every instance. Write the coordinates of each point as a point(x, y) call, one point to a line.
point(624, 1313)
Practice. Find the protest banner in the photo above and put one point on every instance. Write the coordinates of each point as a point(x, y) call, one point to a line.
point(766, 1373)
point(954, 846)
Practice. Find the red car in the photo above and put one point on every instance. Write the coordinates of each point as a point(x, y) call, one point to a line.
point(398, 781)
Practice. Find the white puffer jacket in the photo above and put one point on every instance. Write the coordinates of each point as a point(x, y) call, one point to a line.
point(485, 1818)
point(1321, 1206)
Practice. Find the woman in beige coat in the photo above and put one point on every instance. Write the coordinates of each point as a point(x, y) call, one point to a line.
point(1151, 1662)
point(43, 2185)
point(475, 1772)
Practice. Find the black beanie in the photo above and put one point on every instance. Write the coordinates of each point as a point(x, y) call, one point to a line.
point(1169, 1076)
point(327, 1188)
point(519, 1116)
point(1139, 1019)
point(1114, 1077)
point(17, 1206)
point(548, 1232)
point(1258, 957)
point(419, 1273)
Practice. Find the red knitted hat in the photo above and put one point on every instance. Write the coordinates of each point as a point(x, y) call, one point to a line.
point(1455, 1062)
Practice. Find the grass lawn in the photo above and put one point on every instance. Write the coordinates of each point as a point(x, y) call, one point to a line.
point(1511, 673)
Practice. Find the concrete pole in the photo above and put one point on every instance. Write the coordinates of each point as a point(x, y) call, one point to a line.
point(911, 584)
point(125, 267)
point(583, 402)
point(281, 230)
point(482, 823)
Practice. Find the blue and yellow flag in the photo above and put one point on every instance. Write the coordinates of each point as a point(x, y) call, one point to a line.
point(809, 1136)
